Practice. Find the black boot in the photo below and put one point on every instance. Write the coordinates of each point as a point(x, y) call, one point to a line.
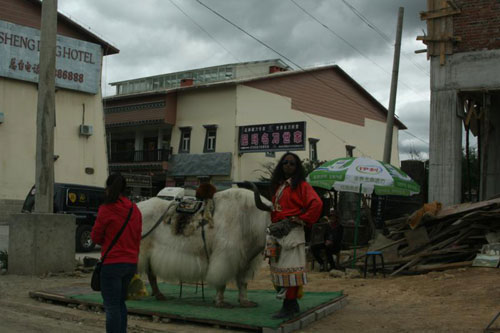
point(294, 306)
point(285, 311)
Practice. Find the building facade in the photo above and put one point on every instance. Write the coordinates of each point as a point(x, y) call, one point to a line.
point(79, 134)
point(463, 42)
point(227, 131)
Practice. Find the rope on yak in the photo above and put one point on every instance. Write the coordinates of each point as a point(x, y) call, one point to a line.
point(203, 222)
point(158, 222)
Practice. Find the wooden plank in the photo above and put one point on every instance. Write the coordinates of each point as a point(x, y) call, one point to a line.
point(440, 39)
point(417, 238)
point(400, 241)
point(447, 11)
point(440, 267)
point(440, 245)
point(466, 207)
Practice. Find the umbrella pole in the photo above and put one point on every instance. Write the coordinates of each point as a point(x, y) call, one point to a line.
point(356, 224)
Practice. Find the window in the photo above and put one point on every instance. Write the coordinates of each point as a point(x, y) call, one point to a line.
point(179, 181)
point(185, 140)
point(313, 149)
point(210, 137)
point(204, 179)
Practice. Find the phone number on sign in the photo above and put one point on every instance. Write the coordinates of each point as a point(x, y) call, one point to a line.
point(70, 76)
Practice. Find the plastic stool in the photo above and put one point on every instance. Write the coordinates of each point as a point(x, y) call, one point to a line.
point(373, 255)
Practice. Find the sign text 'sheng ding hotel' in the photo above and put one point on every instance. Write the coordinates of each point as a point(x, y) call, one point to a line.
point(78, 63)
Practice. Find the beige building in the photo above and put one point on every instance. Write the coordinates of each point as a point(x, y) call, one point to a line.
point(226, 129)
point(80, 146)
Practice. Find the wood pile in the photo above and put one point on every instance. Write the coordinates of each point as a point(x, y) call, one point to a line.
point(441, 239)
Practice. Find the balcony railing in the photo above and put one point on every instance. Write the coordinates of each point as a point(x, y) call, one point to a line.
point(156, 155)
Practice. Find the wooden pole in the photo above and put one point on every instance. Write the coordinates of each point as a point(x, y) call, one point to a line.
point(394, 88)
point(44, 174)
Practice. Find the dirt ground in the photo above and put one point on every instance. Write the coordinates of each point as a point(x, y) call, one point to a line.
point(460, 300)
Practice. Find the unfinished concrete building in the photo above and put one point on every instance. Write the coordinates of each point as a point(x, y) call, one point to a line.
point(463, 45)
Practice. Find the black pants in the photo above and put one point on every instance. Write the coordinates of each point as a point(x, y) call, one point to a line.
point(329, 251)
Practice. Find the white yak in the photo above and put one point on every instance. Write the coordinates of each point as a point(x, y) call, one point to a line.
point(233, 251)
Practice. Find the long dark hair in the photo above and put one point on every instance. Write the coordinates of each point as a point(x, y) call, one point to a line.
point(115, 185)
point(278, 176)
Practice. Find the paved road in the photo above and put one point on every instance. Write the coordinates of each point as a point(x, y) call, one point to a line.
point(4, 244)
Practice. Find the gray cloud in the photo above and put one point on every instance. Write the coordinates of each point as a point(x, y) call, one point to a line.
point(155, 37)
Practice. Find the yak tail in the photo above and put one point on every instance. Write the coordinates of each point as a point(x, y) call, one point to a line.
point(258, 201)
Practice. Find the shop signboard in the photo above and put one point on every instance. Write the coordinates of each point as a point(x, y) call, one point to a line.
point(78, 63)
point(134, 180)
point(272, 137)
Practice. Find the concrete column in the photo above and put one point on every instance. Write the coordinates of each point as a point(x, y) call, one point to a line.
point(445, 153)
point(45, 121)
point(490, 185)
point(41, 243)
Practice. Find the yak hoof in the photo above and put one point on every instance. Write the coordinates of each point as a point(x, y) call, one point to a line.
point(223, 305)
point(248, 304)
point(160, 297)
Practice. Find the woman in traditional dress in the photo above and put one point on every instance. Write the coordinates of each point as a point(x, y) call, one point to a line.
point(295, 204)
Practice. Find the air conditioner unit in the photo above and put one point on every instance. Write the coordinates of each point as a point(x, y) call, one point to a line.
point(86, 130)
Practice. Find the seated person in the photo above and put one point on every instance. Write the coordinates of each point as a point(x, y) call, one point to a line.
point(331, 244)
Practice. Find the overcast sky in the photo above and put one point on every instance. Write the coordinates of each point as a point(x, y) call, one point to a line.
point(163, 36)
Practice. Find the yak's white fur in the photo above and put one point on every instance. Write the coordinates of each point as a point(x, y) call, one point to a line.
point(234, 244)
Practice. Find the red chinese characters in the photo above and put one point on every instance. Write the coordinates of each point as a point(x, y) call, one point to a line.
point(59, 73)
point(297, 137)
point(265, 139)
point(276, 138)
point(254, 139)
point(244, 139)
point(286, 137)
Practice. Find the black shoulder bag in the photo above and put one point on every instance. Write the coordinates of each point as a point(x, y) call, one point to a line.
point(95, 282)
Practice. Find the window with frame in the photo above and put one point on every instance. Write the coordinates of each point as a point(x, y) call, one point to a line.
point(185, 140)
point(313, 149)
point(210, 138)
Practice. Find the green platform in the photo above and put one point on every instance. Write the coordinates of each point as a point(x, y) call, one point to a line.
point(192, 307)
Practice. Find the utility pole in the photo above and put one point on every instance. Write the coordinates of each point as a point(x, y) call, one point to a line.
point(44, 175)
point(394, 88)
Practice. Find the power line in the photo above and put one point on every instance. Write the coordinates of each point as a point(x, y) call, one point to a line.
point(202, 29)
point(220, 44)
point(381, 33)
point(280, 54)
point(352, 46)
point(416, 137)
point(291, 61)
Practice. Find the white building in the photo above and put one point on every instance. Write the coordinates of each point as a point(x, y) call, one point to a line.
point(222, 130)
point(80, 145)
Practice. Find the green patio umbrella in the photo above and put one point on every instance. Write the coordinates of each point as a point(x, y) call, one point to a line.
point(364, 176)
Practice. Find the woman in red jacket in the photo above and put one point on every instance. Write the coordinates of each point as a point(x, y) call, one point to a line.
point(296, 203)
point(120, 264)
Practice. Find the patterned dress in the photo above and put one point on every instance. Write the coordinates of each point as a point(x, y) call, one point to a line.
point(288, 268)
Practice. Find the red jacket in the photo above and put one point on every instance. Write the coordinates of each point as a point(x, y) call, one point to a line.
point(110, 219)
point(303, 202)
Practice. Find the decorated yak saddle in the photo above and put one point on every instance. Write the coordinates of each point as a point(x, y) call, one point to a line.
point(190, 215)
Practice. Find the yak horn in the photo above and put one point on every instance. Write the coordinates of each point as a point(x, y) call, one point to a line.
point(258, 201)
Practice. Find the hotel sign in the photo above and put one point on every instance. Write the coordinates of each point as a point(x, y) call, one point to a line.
point(272, 137)
point(78, 63)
